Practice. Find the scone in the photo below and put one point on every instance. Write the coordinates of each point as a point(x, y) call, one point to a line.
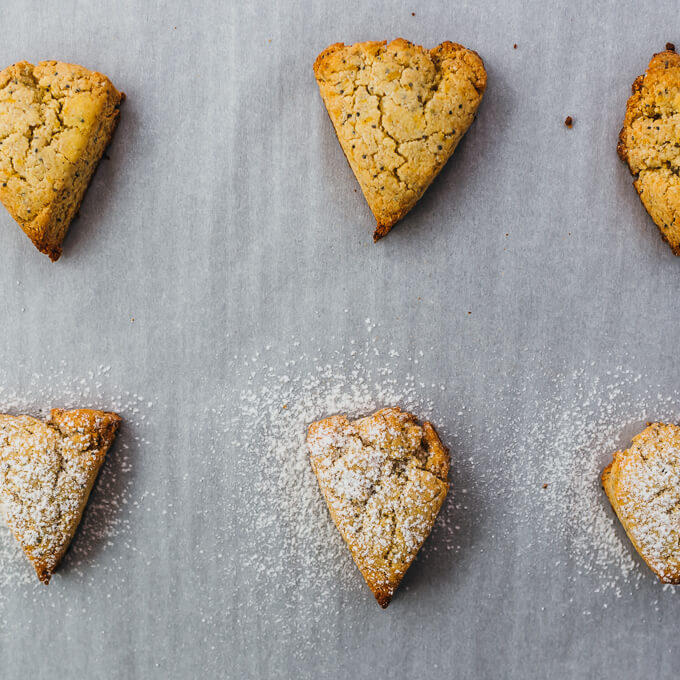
point(650, 142)
point(643, 486)
point(399, 111)
point(47, 471)
point(384, 478)
point(56, 120)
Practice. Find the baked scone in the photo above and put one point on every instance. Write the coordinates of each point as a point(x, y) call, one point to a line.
point(384, 478)
point(643, 486)
point(399, 111)
point(650, 142)
point(56, 120)
point(47, 471)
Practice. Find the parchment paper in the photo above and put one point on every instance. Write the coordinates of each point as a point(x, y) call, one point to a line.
point(227, 220)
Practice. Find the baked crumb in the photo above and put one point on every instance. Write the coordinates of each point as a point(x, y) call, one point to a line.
point(399, 111)
point(649, 142)
point(384, 478)
point(47, 470)
point(642, 486)
point(56, 119)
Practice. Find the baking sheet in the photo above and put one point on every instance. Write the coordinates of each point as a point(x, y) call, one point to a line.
point(527, 302)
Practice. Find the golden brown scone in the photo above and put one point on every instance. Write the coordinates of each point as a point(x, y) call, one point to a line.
point(399, 111)
point(643, 486)
point(650, 142)
point(56, 120)
point(47, 471)
point(384, 478)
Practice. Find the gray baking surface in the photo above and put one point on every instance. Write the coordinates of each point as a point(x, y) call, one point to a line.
point(226, 220)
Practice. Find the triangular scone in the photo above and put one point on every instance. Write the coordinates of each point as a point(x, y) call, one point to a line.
point(643, 486)
point(399, 111)
point(650, 143)
point(56, 120)
point(47, 471)
point(384, 478)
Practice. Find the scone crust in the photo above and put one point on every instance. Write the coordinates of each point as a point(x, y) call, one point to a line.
point(643, 486)
point(649, 142)
point(384, 479)
point(56, 120)
point(47, 470)
point(399, 111)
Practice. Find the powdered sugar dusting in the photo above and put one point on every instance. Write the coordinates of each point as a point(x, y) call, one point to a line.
point(540, 459)
point(46, 473)
point(559, 457)
point(644, 484)
point(106, 517)
point(292, 556)
point(295, 543)
point(384, 479)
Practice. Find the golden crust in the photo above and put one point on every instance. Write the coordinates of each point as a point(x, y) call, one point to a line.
point(649, 142)
point(47, 470)
point(643, 486)
point(56, 119)
point(399, 111)
point(384, 478)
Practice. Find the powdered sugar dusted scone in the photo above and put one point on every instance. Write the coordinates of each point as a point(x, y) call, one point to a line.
point(56, 120)
point(384, 478)
point(47, 471)
point(650, 142)
point(643, 485)
point(399, 111)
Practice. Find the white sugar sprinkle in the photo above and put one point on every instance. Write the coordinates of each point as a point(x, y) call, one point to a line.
point(106, 520)
point(563, 443)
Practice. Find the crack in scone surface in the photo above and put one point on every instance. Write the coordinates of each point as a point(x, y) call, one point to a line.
point(55, 121)
point(46, 121)
point(650, 142)
point(399, 112)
